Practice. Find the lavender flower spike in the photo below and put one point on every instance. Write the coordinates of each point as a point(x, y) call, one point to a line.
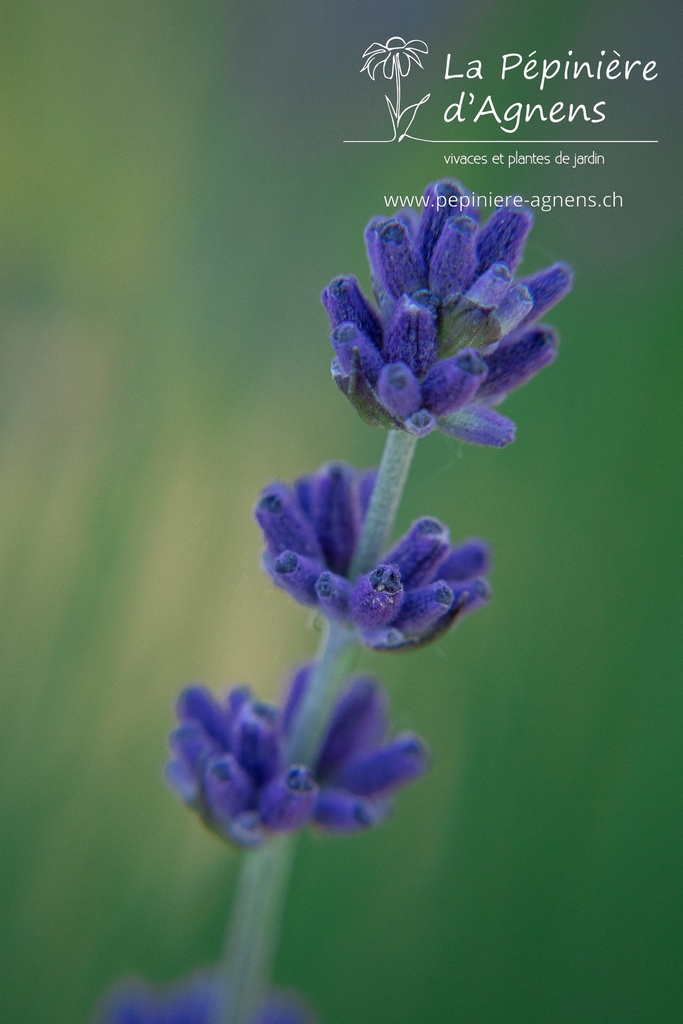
point(194, 1001)
point(451, 322)
point(229, 762)
point(421, 587)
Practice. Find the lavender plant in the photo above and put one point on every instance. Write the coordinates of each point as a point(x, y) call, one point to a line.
point(451, 336)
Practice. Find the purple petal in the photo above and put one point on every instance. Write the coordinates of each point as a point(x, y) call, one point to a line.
point(514, 309)
point(227, 790)
point(287, 802)
point(235, 701)
point(502, 238)
point(429, 299)
point(297, 576)
point(454, 262)
point(360, 392)
point(333, 594)
point(284, 527)
point(517, 361)
point(130, 1003)
point(397, 268)
point(303, 491)
point(387, 767)
point(465, 599)
point(295, 692)
point(387, 639)
point(467, 560)
point(411, 336)
point(256, 741)
point(376, 598)
point(191, 745)
point(422, 607)
point(337, 515)
point(420, 423)
point(489, 289)
point(399, 390)
point(183, 781)
point(194, 1001)
point(340, 811)
point(345, 302)
point(478, 425)
point(355, 351)
point(420, 552)
point(453, 382)
point(471, 595)
point(358, 721)
point(247, 830)
point(548, 287)
point(442, 201)
point(283, 1008)
point(198, 704)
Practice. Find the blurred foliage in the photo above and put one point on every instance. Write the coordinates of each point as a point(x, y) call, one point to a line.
point(173, 196)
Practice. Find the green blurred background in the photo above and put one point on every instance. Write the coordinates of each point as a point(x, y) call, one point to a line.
point(173, 196)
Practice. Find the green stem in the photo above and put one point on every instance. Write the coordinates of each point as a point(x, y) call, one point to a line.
point(386, 496)
point(253, 929)
point(329, 669)
point(255, 922)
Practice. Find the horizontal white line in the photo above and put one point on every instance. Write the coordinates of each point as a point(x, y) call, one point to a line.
point(519, 142)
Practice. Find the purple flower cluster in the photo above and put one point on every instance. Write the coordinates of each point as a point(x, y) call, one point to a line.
point(195, 1001)
point(230, 762)
point(455, 334)
point(420, 588)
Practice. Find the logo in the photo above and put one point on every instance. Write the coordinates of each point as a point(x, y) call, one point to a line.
point(396, 57)
point(471, 100)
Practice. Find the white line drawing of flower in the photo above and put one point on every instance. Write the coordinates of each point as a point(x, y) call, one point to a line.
point(396, 58)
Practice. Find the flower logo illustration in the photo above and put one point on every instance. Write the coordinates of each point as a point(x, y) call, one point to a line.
point(396, 57)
